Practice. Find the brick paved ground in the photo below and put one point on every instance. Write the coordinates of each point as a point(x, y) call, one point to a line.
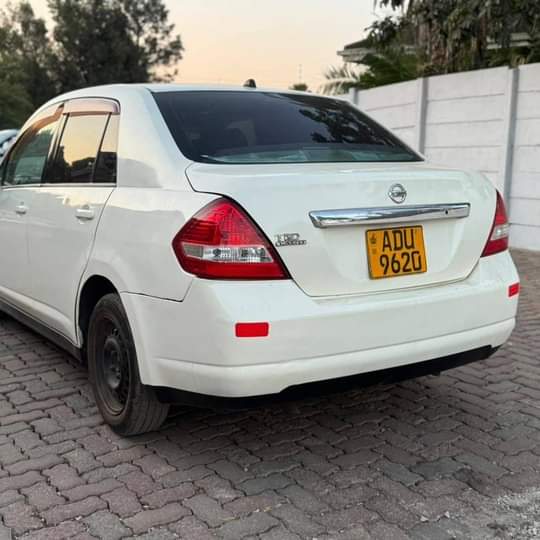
point(455, 456)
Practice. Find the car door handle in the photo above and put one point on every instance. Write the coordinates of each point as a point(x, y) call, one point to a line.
point(21, 209)
point(85, 213)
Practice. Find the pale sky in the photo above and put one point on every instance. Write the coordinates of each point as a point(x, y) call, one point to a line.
point(229, 41)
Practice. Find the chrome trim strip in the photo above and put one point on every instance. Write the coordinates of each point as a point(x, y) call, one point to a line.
point(324, 219)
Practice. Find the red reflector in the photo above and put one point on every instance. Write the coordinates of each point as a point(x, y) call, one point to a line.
point(513, 290)
point(252, 329)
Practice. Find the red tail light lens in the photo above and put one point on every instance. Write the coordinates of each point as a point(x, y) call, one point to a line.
point(222, 242)
point(498, 237)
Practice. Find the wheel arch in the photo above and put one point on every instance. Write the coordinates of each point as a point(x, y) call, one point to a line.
point(93, 289)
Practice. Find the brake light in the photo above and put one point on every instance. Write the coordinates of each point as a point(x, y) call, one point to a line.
point(222, 242)
point(498, 237)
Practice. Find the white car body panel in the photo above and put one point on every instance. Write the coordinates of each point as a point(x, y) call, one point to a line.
point(14, 267)
point(334, 261)
point(329, 320)
point(59, 247)
point(314, 339)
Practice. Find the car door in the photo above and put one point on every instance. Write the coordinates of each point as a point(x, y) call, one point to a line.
point(67, 207)
point(22, 172)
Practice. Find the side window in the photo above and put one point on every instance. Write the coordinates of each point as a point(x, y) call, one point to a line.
point(78, 149)
point(105, 171)
point(28, 158)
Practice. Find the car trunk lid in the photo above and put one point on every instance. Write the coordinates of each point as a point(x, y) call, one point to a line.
point(333, 260)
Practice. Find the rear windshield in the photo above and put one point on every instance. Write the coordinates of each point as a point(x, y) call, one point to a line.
point(272, 127)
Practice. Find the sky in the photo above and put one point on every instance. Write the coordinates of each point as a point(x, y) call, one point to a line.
point(276, 42)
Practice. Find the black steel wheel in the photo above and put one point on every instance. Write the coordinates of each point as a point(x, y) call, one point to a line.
point(127, 405)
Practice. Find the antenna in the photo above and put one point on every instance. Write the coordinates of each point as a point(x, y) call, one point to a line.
point(250, 83)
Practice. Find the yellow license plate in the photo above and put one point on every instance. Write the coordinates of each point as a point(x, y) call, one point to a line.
point(396, 252)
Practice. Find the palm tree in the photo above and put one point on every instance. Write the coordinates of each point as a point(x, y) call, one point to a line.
point(380, 68)
point(340, 79)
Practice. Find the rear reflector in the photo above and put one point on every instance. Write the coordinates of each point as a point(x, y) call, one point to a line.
point(254, 329)
point(222, 242)
point(498, 237)
point(513, 290)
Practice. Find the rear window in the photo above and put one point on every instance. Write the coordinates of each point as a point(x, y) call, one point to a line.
point(272, 127)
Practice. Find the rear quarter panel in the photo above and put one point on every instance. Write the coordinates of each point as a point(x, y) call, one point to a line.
point(133, 246)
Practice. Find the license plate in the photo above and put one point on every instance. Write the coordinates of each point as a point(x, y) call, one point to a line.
point(396, 252)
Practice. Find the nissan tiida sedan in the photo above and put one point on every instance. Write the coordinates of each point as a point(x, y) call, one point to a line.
point(190, 241)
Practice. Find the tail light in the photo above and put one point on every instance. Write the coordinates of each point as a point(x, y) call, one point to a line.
point(498, 237)
point(222, 242)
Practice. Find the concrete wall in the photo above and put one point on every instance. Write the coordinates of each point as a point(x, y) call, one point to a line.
point(487, 120)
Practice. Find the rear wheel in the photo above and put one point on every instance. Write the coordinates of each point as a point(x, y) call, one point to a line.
point(126, 404)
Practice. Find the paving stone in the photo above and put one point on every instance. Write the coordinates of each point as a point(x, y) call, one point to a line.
point(63, 477)
point(243, 527)
point(208, 510)
point(305, 500)
point(122, 502)
point(218, 488)
point(254, 503)
point(103, 524)
point(297, 521)
point(454, 456)
point(258, 485)
point(17, 482)
point(88, 506)
point(37, 464)
point(88, 490)
point(20, 517)
point(42, 496)
point(438, 468)
point(156, 499)
point(68, 529)
point(9, 497)
point(143, 521)
point(398, 472)
point(191, 527)
point(386, 531)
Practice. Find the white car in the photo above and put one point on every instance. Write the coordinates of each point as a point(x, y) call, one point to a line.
point(250, 241)
point(7, 136)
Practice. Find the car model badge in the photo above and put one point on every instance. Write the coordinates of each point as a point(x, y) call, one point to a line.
point(397, 193)
point(289, 239)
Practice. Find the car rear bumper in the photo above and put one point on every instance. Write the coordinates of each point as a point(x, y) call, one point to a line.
point(191, 345)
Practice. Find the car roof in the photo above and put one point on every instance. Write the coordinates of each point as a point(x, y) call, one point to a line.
point(125, 89)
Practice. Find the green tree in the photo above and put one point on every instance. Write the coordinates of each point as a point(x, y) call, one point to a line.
point(25, 64)
point(428, 37)
point(300, 87)
point(458, 35)
point(158, 48)
point(108, 41)
point(388, 67)
point(15, 106)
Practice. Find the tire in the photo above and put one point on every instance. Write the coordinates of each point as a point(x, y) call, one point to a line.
point(127, 405)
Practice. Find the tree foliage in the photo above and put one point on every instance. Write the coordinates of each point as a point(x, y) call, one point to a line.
point(91, 42)
point(429, 37)
point(25, 62)
point(459, 35)
point(300, 87)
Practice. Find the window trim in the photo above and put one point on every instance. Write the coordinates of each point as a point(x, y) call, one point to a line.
point(84, 107)
point(99, 152)
point(91, 106)
point(77, 107)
